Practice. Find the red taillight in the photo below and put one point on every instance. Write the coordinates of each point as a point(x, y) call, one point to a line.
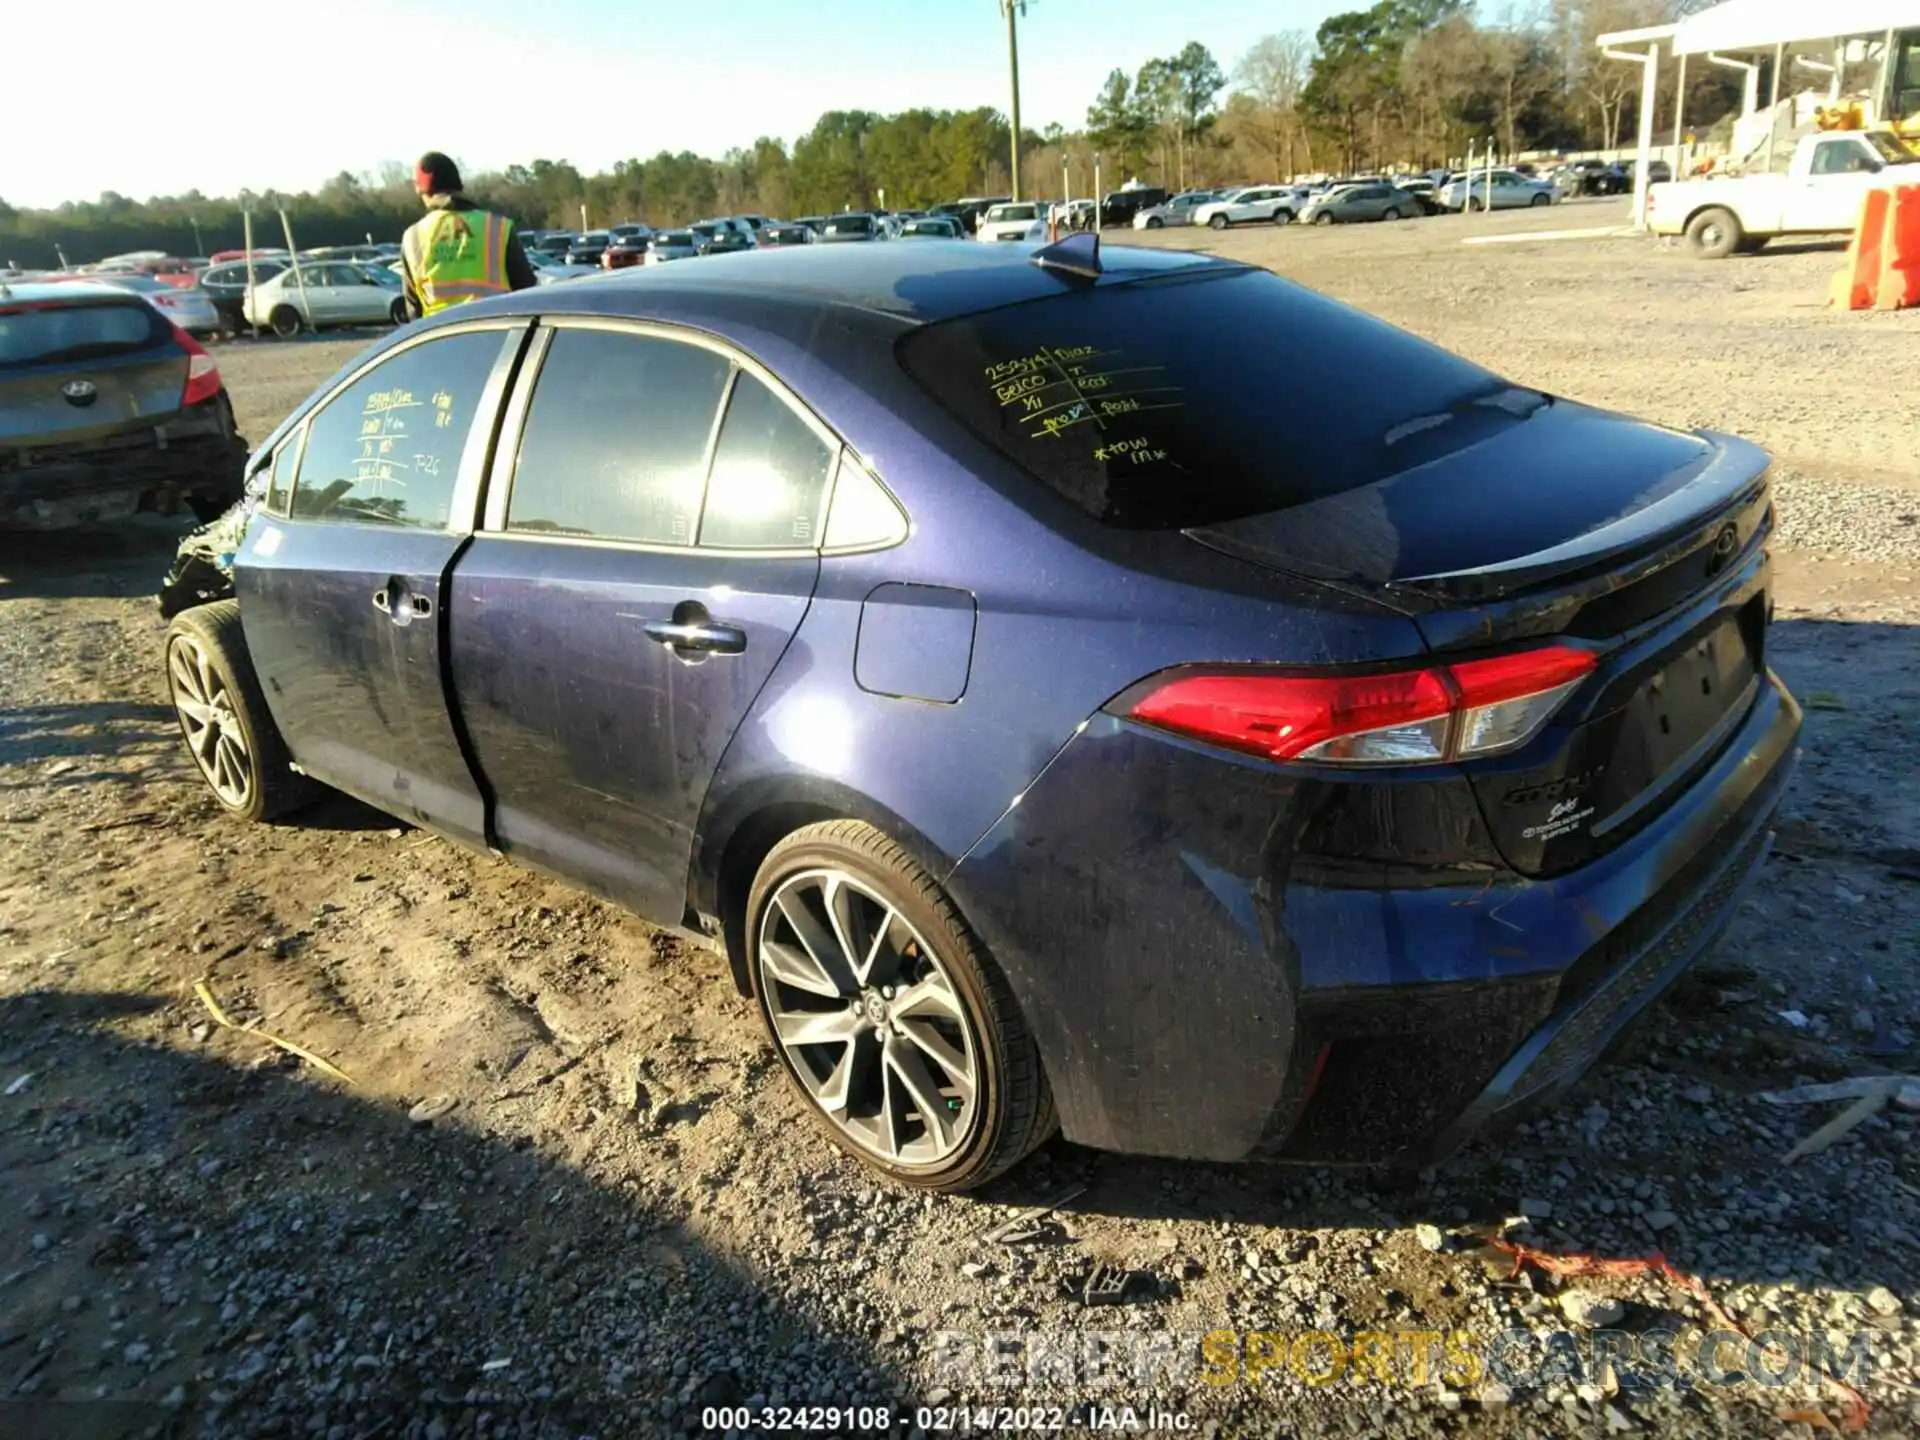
point(203, 376)
point(1444, 712)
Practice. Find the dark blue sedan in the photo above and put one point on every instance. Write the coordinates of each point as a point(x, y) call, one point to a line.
point(1115, 691)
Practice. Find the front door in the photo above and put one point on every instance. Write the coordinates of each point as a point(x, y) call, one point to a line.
point(641, 571)
point(342, 593)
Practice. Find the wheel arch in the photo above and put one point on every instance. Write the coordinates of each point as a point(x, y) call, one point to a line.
point(1697, 211)
point(738, 830)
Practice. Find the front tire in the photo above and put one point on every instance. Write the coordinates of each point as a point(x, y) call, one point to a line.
point(1283, 217)
point(1715, 233)
point(224, 719)
point(1392, 212)
point(892, 1022)
point(1325, 217)
point(1218, 222)
point(1539, 200)
point(285, 322)
point(1154, 222)
point(397, 312)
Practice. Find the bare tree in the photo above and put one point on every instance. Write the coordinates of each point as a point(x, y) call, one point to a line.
point(1606, 86)
point(1272, 74)
point(1444, 74)
point(1518, 69)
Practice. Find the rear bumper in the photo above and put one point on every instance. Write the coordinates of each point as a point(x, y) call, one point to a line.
point(1200, 987)
point(200, 461)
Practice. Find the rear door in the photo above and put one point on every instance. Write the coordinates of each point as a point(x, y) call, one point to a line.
point(342, 584)
point(643, 566)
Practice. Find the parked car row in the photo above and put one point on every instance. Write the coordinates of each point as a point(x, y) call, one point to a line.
point(1333, 200)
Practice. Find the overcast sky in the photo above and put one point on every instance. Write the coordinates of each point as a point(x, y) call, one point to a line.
point(221, 95)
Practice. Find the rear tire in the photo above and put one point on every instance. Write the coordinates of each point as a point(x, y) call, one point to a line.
point(397, 312)
point(1218, 222)
point(285, 322)
point(224, 718)
point(1714, 233)
point(941, 1012)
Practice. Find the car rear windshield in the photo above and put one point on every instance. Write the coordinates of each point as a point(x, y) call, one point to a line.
point(1192, 400)
point(45, 335)
point(850, 225)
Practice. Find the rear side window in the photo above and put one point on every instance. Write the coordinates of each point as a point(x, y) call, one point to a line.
point(78, 332)
point(386, 450)
point(615, 443)
point(1193, 400)
point(769, 475)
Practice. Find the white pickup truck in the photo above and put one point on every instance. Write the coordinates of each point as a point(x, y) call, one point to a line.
point(1819, 193)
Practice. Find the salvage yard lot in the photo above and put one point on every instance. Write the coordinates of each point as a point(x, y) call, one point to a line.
point(619, 1215)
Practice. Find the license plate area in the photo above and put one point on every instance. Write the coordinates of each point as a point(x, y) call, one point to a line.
point(1685, 699)
point(1662, 726)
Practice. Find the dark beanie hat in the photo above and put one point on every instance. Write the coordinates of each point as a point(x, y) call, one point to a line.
point(436, 175)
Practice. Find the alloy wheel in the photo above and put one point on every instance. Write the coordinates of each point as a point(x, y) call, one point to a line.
point(869, 1018)
point(210, 723)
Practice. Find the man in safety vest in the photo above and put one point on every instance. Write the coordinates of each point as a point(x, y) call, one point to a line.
point(458, 252)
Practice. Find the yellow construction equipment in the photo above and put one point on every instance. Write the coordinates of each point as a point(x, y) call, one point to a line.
point(1898, 106)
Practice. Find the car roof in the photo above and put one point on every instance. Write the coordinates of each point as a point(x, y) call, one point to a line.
point(919, 284)
point(39, 292)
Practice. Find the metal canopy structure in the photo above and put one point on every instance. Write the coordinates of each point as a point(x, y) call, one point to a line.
point(1752, 28)
point(1754, 25)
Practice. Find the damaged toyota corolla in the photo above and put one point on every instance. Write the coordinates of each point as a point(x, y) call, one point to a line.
point(1310, 747)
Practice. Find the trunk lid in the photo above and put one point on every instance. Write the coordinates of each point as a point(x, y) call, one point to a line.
point(71, 373)
point(1644, 542)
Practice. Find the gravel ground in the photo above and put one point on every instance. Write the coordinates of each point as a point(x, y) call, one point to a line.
point(567, 1193)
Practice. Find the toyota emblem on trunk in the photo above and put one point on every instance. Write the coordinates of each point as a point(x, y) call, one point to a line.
point(79, 392)
point(1724, 544)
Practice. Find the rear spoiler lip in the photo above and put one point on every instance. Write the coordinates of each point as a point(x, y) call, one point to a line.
point(1725, 480)
point(1728, 478)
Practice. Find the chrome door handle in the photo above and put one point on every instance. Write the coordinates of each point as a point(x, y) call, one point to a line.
point(399, 604)
point(703, 638)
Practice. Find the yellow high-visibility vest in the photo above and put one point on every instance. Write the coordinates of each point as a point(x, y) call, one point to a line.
point(455, 256)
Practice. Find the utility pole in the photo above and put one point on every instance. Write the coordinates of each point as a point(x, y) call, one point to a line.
point(1013, 9)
